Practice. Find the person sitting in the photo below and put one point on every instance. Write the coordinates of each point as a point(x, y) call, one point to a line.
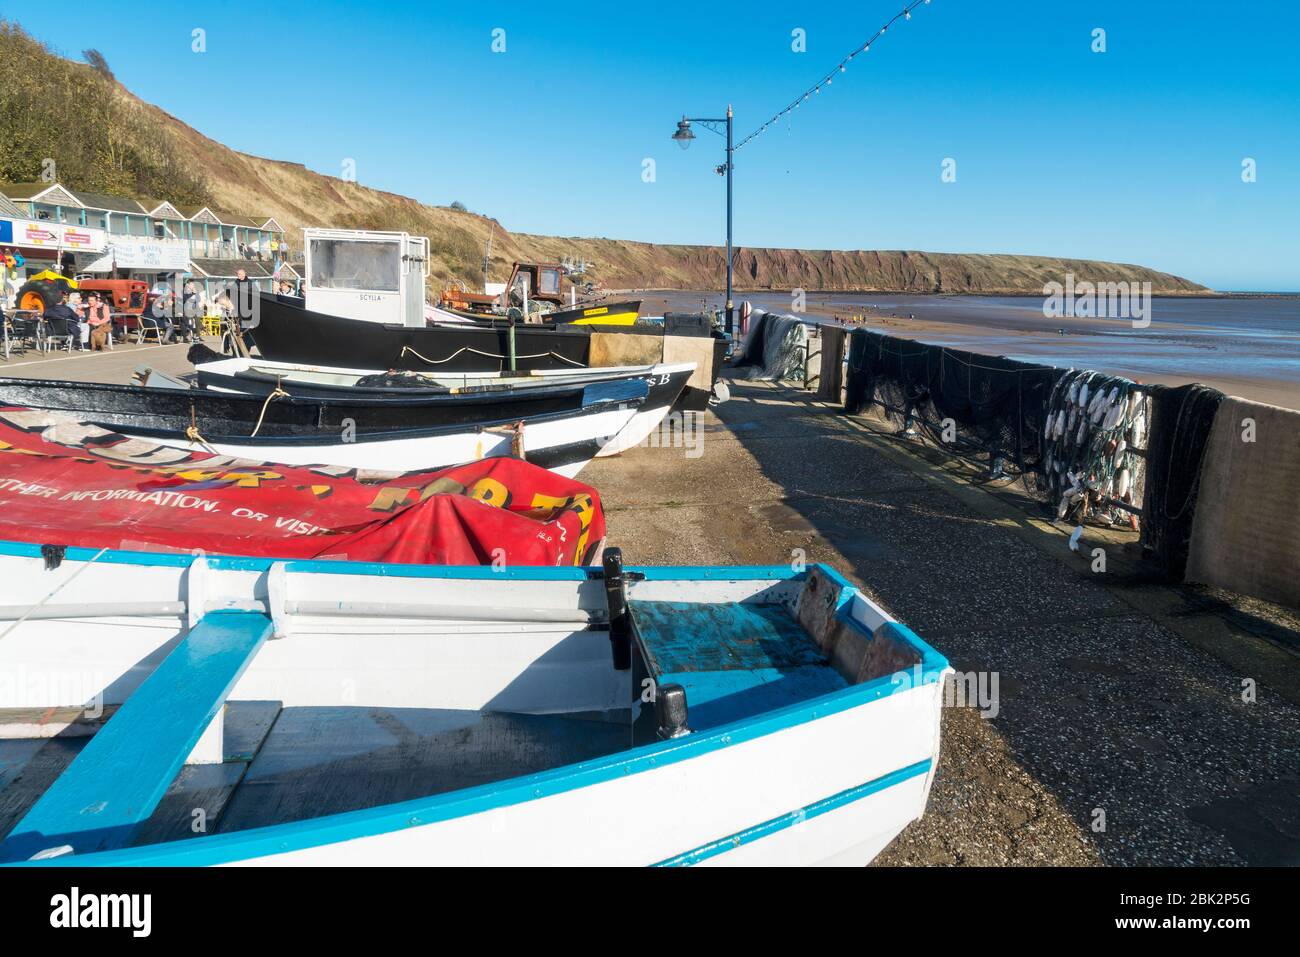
point(62, 320)
point(160, 316)
point(100, 320)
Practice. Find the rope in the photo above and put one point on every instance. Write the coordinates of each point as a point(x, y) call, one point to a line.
point(516, 433)
point(276, 393)
point(60, 588)
point(490, 355)
point(192, 433)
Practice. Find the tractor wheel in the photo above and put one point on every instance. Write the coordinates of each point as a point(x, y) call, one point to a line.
point(37, 296)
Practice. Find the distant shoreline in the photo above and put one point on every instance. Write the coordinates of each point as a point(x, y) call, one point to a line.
point(738, 293)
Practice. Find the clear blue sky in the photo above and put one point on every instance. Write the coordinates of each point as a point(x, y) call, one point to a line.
point(1132, 155)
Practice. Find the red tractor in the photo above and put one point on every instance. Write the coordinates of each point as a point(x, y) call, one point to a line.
point(128, 296)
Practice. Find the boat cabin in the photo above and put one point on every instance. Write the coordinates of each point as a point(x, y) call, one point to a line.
point(368, 275)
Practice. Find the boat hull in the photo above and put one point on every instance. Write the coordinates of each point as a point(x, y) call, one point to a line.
point(829, 778)
point(289, 333)
point(562, 427)
point(664, 383)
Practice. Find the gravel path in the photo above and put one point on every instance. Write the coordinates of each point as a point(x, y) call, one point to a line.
point(1115, 739)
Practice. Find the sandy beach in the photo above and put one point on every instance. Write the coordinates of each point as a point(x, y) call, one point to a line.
point(1241, 346)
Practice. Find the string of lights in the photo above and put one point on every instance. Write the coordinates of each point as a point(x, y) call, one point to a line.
point(841, 67)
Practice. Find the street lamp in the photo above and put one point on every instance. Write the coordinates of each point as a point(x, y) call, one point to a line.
point(684, 136)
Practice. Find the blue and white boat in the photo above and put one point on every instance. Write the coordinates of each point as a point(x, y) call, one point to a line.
point(162, 709)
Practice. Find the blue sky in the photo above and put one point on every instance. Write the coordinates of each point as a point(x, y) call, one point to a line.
point(1134, 154)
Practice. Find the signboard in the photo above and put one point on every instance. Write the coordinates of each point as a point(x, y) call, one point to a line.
point(42, 235)
point(150, 254)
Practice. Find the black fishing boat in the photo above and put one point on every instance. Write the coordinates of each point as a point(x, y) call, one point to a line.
point(285, 331)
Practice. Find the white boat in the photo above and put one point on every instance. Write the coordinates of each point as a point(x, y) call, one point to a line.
point(245, 711)
point(560, 427)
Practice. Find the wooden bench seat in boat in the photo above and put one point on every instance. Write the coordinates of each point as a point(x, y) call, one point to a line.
point(122, 773)
point(712, 663)
point(733, 660)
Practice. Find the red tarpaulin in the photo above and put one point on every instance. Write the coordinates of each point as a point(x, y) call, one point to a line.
point(66, 483)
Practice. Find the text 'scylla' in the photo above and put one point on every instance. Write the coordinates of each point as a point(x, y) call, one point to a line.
point(948, 170)
point(498, 40)
point(798, 40)
point(647, 170)
point(198, 40)
point(1098, 40)
point(1248, 169)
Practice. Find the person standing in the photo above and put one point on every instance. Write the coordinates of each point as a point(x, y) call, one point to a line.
point(244, 297)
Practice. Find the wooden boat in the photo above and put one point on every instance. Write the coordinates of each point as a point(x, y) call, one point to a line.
point(537, 284)
point(256, 376)
point(285, 331)
point(620, 313)
point(560, 427)
point(331, 713)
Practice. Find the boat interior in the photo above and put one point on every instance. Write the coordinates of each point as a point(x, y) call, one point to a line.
point(161, 698)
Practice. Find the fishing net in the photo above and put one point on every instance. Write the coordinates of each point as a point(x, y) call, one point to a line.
point(775, 347)
point(1093, 438)
point(986, 409)
point(1074, 437)
point(1181, 420)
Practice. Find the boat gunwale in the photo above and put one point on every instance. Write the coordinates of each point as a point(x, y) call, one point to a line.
point(270, 840)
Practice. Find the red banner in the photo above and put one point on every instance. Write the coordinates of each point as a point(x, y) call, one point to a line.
point(66, 483)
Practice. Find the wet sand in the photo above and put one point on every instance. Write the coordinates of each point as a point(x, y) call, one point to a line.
point(1244, 347)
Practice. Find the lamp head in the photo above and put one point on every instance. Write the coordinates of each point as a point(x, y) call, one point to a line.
point(683, 136)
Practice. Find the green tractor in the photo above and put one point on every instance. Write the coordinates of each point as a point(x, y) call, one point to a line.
point(43, 290)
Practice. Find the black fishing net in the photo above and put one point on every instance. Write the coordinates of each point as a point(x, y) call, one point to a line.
point(986, 409)
point(1180, 430)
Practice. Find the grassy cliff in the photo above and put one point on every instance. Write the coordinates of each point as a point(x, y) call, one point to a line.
point(104, 139)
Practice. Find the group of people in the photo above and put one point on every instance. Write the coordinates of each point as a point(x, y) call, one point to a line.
point(87, 321)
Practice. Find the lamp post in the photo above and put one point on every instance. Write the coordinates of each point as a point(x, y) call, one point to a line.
point(684, 136)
